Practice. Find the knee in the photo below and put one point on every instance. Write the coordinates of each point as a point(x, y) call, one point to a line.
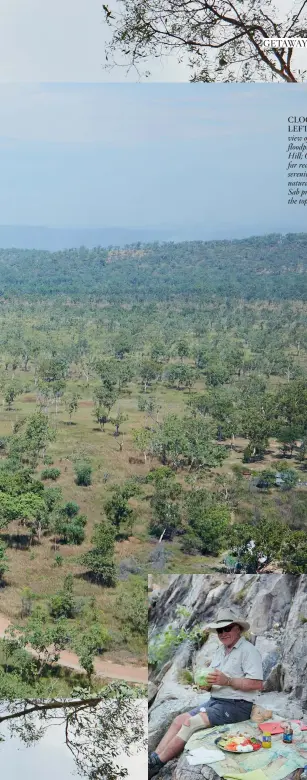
point(191, 724)
point(182, 720)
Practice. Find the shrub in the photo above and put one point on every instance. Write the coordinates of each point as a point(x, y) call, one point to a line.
point(186, 677)
point(83, 472)
point(62, 604)
point(165, 645)
point(71, 528)
point(50, 474)
point(48, 460)
point(74, 531)
point(70, 509)
point(99, 560)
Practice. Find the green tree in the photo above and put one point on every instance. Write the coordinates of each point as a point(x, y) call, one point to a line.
point(99, 560)
point(207, 521)
point(69, 525)
point(72, 403)
point(132, 608)
point(182, 349)
point(119, 418)
point(117, 509)
point(122, 345)
point(290, 413)
point(101, 415)
point(258, 542)
point(89, 643)
point(109, 371)
point(11, 392)
point(256, 427)
point(63, 604)
point(141, 440)
point(293, 553)
point(187, 442)
point(166, 519)
point(31, 443)
point(149, 372)
point(181, 376)
point(105, 397)
point(159, 352)
point(53, 370)
point(216, 374)
point(99, 726)
point(45, 638)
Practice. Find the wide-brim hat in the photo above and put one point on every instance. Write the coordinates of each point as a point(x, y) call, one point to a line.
point(225, 618)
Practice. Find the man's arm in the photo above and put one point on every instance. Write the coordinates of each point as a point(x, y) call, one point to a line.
point(238, 683)
point(245, 684)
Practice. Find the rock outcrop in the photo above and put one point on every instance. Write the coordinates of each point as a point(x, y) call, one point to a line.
point(275, 605)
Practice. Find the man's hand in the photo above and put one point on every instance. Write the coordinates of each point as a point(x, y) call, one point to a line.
point(217, 678)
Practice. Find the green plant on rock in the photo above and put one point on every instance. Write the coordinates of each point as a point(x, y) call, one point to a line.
point(163, 646)
point(186, 677)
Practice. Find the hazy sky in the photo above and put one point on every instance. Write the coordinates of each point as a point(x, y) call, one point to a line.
point(64, 40)
point(50, 759)
point(148, 155)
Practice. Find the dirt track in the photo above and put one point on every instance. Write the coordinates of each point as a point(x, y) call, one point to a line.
point(103, 668)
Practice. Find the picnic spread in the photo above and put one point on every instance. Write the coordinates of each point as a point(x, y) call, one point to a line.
point(236, 750)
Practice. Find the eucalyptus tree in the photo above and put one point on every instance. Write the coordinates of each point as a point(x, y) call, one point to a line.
point(220, 41)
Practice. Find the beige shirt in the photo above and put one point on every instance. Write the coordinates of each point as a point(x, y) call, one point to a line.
point(244, 660)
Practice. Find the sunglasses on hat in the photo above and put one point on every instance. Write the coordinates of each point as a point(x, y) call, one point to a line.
point(227, 629)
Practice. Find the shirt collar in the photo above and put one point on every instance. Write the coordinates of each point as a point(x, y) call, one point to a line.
point(238, 644)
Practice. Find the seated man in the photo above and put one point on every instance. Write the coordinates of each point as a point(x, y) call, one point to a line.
point(235, 677)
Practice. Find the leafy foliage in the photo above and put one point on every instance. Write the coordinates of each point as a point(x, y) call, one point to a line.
point(83, 471)
point(99, 560)
point(51, 474)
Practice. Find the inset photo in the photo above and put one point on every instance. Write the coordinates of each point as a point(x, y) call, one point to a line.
point(227, 677)
point(90, 734)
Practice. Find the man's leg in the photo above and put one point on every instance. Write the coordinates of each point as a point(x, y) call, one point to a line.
point(171, 732)
point(175, 744)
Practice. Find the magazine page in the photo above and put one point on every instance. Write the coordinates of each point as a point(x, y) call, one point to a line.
point(153, 389)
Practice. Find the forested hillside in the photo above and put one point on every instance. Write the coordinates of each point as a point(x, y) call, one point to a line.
point(267, 268)
point(153, 416)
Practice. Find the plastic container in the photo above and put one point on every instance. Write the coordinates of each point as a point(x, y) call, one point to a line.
point(266, 740)
point(287, 736)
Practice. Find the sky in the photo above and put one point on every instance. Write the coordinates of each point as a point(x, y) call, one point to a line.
point(50, 758)
point(142, 155)
point(65, 41)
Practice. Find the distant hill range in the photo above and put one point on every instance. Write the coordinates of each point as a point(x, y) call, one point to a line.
point(54, 239)
point(271, 267)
